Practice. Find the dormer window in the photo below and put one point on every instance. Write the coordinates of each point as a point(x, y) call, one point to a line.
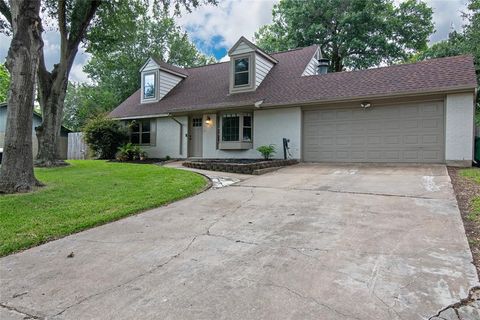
point(149, 85)
point(248, 66)
point(242, 70)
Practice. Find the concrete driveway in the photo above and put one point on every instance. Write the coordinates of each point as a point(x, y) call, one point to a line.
point(305, 242)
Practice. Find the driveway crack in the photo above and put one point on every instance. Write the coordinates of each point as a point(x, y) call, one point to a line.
point(303, 297)
point(23, 313)
point(130, 280)
point(473, 295)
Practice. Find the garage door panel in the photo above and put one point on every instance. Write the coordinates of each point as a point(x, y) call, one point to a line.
point(400, 133)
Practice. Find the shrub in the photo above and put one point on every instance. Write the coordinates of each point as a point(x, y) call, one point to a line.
point(129, 152)
point(267, 151)
point(104, 136)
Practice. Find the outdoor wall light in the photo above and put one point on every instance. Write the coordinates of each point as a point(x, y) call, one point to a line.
point(208, 121)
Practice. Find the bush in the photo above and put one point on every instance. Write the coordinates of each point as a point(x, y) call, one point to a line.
point(130, 152)
point(104, 136)
point(267, 151)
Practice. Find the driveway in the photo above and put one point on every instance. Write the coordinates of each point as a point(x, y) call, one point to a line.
point(305, 242)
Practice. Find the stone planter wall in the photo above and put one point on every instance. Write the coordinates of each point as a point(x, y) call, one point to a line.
point(245, 168)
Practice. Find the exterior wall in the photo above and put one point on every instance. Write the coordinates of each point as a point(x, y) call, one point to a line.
point(241, 49)
point(269, 127)
point(167, 82)
point(459, 128)
point(262, 67)
point(168, 138)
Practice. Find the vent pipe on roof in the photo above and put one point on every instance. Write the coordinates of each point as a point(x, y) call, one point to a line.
point(323, 66)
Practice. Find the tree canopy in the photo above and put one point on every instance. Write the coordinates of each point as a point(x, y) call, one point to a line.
point(353, 34)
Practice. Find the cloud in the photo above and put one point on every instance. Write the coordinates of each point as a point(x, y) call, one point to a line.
point(217, 28)
point(445, 14)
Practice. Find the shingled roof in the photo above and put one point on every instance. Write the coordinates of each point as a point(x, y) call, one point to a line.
point(207, 87)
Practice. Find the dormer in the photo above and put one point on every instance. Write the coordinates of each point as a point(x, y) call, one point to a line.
point(249, 65)
point(158, 78)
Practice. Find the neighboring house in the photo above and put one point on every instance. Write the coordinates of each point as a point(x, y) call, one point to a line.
point(422, 112)
point(37, 120)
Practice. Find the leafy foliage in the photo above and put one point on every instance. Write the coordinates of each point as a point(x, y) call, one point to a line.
point(267, 151)
point(130, 151)
point(83, 102)
point(353, 34)
point(4, 82)
point(104, 136)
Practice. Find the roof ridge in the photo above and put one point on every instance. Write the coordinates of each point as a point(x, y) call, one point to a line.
point(399, 65)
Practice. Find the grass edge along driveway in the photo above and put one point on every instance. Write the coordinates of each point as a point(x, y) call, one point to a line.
point(86, 194)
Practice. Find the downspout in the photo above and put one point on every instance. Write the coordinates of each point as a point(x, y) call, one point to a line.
point(181, 133)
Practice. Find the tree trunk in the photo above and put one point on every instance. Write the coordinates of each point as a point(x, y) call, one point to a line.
point(53, 85)
point(16, 173)
point(52, 90)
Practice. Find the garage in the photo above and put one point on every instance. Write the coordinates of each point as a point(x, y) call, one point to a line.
point(409, 132)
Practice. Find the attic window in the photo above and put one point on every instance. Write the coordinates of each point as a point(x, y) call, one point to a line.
point(149, 85)
point(242, 70)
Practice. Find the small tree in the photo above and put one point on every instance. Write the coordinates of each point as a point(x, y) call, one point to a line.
point(267, 151)
point(104, 136)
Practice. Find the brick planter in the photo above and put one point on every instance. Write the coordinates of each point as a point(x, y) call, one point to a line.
point(257, 167)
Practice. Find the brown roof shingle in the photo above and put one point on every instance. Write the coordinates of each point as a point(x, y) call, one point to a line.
point(207, 87)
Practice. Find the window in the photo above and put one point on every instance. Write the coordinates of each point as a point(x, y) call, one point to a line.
point(241, 72)
point(196, 122)
point(140, 132)
point(149, 86)
point(236, 127)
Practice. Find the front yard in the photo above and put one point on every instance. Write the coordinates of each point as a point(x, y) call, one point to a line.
point(86, 194)
point(466, 183)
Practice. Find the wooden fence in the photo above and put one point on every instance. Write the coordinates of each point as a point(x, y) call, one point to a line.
point(77, 148)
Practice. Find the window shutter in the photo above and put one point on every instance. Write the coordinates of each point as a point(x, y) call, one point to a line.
point(153, 132)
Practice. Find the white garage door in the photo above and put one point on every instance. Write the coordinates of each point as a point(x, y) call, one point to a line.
point(396, 133)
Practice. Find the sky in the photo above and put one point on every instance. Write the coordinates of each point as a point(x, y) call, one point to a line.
point(214, 29)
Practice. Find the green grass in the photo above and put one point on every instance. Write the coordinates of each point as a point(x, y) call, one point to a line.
point(86, 194)
point(473, 174)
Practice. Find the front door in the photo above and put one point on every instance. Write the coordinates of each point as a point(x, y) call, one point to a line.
point(195, 136)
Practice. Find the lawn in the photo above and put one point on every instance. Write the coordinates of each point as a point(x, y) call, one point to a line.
point(474, 175)
point(86, 194)
point(466, 183)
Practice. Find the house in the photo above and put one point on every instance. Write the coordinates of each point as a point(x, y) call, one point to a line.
point(419, 113)
point(37, 120)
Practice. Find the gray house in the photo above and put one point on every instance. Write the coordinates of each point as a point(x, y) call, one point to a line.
point(420, 113)
point(37, 120)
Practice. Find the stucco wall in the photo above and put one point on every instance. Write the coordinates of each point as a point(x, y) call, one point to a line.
point(459, 128)
point(168, 139)
point(269, 127)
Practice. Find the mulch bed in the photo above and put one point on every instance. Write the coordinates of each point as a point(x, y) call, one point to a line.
point(466, 190)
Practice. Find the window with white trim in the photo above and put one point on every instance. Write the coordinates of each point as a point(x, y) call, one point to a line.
point(149, 85)
point(241, 74)
point(236, 128)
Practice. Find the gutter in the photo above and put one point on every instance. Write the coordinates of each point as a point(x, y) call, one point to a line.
point(181, 133)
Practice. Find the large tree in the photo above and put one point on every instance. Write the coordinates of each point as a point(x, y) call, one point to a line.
point(73, 19)
point(16, 172)
point(354, 34)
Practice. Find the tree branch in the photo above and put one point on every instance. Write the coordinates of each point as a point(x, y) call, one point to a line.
point(79, 27)
point(5, 11)
point(62, 25)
